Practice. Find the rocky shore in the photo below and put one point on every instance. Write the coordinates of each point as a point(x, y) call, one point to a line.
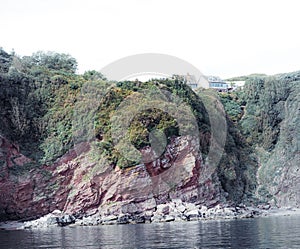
point(176, 211)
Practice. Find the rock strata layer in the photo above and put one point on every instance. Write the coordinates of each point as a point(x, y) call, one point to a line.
point(77, 186)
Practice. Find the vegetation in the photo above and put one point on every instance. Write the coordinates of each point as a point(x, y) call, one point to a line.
point(147, 124)
point(47, 108)
point(238, 164)
point(266, 112)
point(271, 124)
point(233, 105)
point(247, 77)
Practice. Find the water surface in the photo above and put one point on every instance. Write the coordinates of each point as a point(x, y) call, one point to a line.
point(270, 232)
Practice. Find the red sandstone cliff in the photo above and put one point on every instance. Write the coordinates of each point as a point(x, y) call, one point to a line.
point(78, 186)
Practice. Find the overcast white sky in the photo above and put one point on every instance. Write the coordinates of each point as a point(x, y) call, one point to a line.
point(224, 38)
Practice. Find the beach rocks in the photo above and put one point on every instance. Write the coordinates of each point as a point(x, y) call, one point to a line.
point(52, 220)
point(56, 218)
point(109, 220)
point(175, 210)
point(202, 213)
point(169, 218)
point(65, 220)
point(43, 222)
point(138, 219)
point(192, 215)
point(124, 219)
point(93, 220)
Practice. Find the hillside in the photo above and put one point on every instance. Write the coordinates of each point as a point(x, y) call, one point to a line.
point(247, 77)
point(83, 144)
point(271, 125)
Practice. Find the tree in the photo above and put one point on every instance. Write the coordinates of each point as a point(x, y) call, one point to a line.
point(5, 61)
point(93, 75)
point(52, 61)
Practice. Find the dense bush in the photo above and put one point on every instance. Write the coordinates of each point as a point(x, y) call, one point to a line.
point(232, 105)
point(47, 108)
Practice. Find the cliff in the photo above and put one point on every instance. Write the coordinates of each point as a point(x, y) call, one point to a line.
point(82, 144)
point(271, 125)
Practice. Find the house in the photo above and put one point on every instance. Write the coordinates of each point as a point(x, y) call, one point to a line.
point(212, 82)
point(218, 84)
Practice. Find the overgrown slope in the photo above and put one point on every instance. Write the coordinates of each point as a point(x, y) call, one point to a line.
point(64, 134)
point(271, 124)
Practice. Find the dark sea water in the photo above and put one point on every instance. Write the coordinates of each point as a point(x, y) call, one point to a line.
point(271, 232)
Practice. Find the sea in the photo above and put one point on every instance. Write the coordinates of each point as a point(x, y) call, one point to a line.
point(262, 232)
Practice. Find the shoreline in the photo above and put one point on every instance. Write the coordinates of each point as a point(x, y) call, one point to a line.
point(220, 213)
point(287, 211)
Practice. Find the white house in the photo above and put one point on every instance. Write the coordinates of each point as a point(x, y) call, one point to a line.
point(218, 84)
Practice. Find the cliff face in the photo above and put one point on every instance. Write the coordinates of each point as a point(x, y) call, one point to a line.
point(271, 125)
point(77, 186)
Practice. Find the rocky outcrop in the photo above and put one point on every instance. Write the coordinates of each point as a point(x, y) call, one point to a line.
point(177, 174)
point(80, 187)
point(28, 193)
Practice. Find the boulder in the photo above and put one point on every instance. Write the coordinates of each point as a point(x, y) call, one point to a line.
point(138, 219)
point(66, 220)
point(124, 219)
point(192, 215)
point(93, 220)
point(52, 220)
point(163, 209)
point(109, 220)
point(181, 208)
point(190, 206)
point(157, 218)
point(169, 218)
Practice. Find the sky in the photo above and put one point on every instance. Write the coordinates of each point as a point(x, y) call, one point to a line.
point(223, 38)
